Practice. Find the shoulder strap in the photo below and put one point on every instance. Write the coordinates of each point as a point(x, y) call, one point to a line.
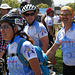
point(20, 56)
point(41, 55)
point(7, 48)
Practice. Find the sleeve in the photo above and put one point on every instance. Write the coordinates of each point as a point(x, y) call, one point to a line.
point(42, 31)
point(28, 50)
point(57, 39)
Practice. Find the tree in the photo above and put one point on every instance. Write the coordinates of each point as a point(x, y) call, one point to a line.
point(36, 2)
point(12, 3)
point(0, 2)
point(43, 5)
point(71, 5)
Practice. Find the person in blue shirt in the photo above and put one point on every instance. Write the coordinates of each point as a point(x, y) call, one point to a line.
point(35, 29)
point(65, 38)
point(11, 29)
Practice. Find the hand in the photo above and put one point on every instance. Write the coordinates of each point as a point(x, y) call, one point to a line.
point(54, 37)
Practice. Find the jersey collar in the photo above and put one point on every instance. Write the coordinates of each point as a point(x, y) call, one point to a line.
point(71, 27)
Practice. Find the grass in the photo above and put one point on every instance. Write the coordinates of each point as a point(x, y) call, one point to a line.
point(59, 61)
point(58, 56)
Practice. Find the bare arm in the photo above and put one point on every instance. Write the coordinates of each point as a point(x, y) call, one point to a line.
point(44, 42)
point(50, 53)
point(51, 31)
point(34, 63)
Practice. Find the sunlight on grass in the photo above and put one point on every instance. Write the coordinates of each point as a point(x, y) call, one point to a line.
point(59, 62)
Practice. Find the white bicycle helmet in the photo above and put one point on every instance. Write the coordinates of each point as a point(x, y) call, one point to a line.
point(28, 7)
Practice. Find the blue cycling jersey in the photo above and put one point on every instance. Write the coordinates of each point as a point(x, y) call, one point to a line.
point(67, 41)
point(14, 64)
point(36, 31)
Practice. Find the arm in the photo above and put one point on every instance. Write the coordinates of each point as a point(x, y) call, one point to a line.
point(30, 54)
point(50, 53)
point(34, 63)
point(51, 31)
point(44, 41)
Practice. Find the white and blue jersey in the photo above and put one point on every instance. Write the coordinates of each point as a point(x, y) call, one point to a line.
point(36, 31)
point(67, 41)
point(14, 64)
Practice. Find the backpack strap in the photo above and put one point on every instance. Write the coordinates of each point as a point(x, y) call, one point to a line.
point(41, 56)
point(20, 56)
point(7, 48)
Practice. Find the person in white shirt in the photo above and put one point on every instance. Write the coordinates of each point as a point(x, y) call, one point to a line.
point(49, 21)
point(50, 28)
point(56, 18)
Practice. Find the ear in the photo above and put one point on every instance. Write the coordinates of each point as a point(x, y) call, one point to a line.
point(15, 28)
point(35, 14)
point(72, 17)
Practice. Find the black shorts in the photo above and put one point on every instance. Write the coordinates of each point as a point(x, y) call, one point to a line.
point(68, 70)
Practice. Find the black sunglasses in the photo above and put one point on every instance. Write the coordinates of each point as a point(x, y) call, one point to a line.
point(31, 14)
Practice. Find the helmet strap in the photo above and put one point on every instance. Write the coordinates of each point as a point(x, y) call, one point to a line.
point(31, 23)
point(14, 35)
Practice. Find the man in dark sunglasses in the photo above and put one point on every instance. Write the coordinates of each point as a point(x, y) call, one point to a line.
point(35, 29)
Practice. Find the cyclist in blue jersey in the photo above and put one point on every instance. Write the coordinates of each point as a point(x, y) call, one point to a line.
point(11, 29)
point(35, 29)
point(66, 38)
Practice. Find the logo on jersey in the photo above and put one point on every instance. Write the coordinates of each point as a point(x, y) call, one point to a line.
point(43, 31)
point(29, 50)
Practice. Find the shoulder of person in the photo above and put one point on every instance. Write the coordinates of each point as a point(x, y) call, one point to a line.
point(28, 43)
point(48, 18)
point(60, 31)
point(41, 25)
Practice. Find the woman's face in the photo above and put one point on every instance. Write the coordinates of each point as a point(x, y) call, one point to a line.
point(7, 31)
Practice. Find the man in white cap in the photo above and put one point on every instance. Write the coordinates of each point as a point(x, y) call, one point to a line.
point(5, 8)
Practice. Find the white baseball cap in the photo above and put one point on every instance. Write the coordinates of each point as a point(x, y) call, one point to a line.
point(5, 6)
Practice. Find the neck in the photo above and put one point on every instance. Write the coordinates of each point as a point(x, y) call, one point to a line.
point(67, 26)
point(31, 23)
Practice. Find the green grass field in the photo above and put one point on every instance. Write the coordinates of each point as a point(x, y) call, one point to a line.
point(59, 62)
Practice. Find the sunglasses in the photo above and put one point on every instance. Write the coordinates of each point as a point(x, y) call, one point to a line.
point(65, 14)
point(31, 14)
